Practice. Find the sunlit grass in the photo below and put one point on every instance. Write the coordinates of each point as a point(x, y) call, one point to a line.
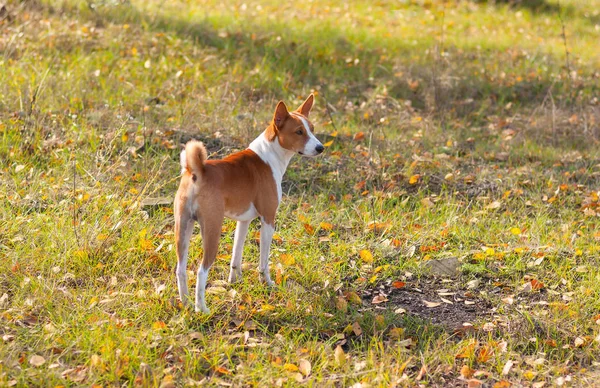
point(455, 130)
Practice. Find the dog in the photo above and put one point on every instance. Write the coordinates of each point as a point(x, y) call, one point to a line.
point(243, 186)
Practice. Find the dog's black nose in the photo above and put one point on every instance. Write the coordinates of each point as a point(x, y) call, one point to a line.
point(319, 148)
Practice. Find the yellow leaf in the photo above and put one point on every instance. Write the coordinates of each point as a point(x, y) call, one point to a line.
point(397, 332)
point(101, 237)
point(414, 179)
point(328, 144)
point(334, 134)
point(353, 297)
point(326, 225)
point(146, 244)
point(339, 355)
point(290, 367)
point(366, 256)
point(287, 259)
point(515, 231)
point(134, 51)
point(159, 325)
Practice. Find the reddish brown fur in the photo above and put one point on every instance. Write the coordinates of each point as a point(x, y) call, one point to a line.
point(230, 185)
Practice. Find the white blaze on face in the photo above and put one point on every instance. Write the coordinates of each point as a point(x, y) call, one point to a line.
point(310, 148)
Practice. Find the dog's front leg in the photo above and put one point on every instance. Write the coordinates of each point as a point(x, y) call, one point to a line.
point(266, 236)
point(235, 271)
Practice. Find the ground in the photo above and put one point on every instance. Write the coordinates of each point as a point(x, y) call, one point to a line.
point(448, 236)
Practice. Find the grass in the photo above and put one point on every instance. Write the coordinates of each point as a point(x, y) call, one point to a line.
point(456, 129)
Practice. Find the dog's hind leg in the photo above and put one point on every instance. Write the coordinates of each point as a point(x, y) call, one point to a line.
point(184, 226)
point(211, 233)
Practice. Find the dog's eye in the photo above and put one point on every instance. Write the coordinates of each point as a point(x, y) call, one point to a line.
point(299, 132)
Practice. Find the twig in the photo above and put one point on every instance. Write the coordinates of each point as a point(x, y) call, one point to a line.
point(564, 36)
point(75, 203)
point(329, 113)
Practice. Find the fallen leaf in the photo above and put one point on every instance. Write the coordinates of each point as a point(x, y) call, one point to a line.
point(309, 228)
point(36, 360)
point(494, 205)
point(366, 255)
point(326, 225)
point(304, 367)
point(466, 372)
point(341, 304)
point(398, 284)
point(414, 179)
point(359, 136)
point(287, 259)
point(339, 355)
point(396, 332)
point(290, 367)
point(474, 383)
point(353, 297)
point(536, 284)
point(507, 366)
point(431, 304)
point(379, 299)
point(502, 384)
point(356, 329)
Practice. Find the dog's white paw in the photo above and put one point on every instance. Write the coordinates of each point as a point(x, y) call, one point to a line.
point(202, 309)
point(235, 275)
point(266, 279)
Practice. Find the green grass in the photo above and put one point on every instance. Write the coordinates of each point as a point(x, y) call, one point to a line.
point(96, 97)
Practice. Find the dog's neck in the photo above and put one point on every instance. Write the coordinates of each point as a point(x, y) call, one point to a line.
point(272, 153)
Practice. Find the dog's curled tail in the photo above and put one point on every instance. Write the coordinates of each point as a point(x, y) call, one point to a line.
point(193, 157)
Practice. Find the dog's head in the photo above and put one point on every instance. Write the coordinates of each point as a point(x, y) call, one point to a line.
point(293, 130)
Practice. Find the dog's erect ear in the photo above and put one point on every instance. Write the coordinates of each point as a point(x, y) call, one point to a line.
point(281, 113)
point(306, 106)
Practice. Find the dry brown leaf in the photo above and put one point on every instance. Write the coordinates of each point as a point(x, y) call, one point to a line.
point(379, 299)
point(36, 360)
point(466, 371)
point(341, 304)
point(507, 367)
point(305, 367)
point(431, 304)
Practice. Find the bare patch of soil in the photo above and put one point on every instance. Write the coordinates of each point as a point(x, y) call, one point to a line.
point(443, 302)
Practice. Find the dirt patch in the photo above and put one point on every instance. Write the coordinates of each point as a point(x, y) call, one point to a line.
point(442, 302)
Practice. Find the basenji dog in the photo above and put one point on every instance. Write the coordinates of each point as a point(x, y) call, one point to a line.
point(242, 186)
